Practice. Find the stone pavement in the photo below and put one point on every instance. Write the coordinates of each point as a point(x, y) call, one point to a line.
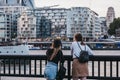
point(27, 78)
point(22, 78)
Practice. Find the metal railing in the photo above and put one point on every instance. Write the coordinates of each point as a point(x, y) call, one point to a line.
point(100, 67)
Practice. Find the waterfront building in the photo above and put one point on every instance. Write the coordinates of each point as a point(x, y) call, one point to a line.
point(117, 32)
point(57, 17)
point(2, 26)
point(110, 16)
point(103, 25)
point(44, 30)
point(26, 27)
point(83, 20)
point(11, 13)
point(11, 9)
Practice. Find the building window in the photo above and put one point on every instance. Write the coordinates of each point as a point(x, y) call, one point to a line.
point(18, 1)
point(26, 28)
point(6, 1)
point(23, 18)
point(23, 25)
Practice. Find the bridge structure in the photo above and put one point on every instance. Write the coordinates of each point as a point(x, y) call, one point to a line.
point(100, 67)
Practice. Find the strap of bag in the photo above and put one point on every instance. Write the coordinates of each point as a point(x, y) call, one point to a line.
point(80, 47)
point(61, 60)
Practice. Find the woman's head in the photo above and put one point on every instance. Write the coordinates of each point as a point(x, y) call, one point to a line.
point(78, 37)
point(57, 43)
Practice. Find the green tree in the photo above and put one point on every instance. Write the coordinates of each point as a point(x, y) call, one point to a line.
point(113, 26)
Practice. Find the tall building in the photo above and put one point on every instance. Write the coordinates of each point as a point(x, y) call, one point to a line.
point(11, 11)
point(3, 28)
point(56, 16)
point(26, 26)
point(110, 16)
point(11, 14)
point(28, 3)
point(103, 25)
point(83, 20)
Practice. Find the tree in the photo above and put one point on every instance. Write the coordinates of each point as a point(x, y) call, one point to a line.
point(113, 26)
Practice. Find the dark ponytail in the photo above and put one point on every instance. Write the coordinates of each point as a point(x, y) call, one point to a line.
point(79, 37)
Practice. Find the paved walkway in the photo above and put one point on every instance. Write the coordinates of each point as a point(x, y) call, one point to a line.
point(27, 78)
point(21, 78)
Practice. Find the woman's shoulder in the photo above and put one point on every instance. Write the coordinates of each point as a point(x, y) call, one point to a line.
point(87, 47)
point(60, 51)
point(74, 42)
point(50, 50)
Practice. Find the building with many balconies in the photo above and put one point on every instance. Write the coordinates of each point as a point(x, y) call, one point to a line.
point(83, 20)
point(57, 17)
point(103, 25)
point(26, 26)
point(11, 9)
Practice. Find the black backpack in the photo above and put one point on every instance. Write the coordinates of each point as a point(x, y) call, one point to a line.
point(84, 56)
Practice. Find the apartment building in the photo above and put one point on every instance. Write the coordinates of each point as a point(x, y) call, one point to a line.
point(3, 27)
point(57, 17)
point(26, 26)
point(83, 20)
point(11, 9)
point(103, 25)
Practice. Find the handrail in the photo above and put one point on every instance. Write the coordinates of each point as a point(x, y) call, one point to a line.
point(100, 67)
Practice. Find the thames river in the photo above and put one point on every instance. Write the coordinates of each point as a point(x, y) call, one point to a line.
point(65, 52)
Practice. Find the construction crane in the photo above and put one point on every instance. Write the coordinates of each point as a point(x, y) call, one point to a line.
point(50, 6)
point(46, 7)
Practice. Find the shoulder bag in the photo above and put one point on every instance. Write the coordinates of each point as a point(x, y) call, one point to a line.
point(61, 72)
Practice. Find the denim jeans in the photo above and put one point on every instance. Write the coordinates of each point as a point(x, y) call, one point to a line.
point(51, 71)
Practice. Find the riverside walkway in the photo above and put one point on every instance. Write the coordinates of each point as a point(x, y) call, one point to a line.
point(32, 66)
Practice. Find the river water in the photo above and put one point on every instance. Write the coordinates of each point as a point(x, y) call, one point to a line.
point(65, 52)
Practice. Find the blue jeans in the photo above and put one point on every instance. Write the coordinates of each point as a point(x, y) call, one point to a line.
point(51, 71)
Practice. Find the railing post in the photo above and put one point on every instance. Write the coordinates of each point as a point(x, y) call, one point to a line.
point(0, 68)
point(69, 69)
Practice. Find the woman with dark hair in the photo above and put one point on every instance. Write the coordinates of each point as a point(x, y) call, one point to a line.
point(79, 70)
point(54, 55)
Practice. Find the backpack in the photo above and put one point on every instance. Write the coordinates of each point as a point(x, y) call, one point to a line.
point(84, 56)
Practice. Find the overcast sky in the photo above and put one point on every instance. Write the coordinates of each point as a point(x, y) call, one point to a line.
point(99, 6)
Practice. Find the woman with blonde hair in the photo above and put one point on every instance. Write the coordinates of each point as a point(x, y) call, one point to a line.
point(54, 55)
point(79, 70)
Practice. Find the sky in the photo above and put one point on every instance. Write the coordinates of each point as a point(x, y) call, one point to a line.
point(99, 6)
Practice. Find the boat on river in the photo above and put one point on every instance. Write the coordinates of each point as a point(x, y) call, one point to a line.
point(14, 49)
